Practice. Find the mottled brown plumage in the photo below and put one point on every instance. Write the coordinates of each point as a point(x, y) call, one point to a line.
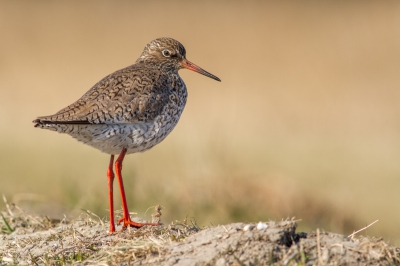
point(130, 110)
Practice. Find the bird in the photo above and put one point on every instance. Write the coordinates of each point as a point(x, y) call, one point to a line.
point(129, 111)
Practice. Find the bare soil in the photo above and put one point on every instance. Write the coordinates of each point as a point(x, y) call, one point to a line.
point(26, 239)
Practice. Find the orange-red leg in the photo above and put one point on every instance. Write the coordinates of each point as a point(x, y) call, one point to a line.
point(110, 177)
point(126, 218)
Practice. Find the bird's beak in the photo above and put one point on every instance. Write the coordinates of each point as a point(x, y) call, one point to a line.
point(189, 65)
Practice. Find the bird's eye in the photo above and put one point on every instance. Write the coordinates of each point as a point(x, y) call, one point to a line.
point(166, 53)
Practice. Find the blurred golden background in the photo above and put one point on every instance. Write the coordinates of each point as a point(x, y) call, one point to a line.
point(305, 123)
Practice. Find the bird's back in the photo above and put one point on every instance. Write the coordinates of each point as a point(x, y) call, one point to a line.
point(135, 93)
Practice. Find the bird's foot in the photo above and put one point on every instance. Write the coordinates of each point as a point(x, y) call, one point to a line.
point(128, 222)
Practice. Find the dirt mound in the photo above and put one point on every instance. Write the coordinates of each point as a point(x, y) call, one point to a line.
point(38, 240)
point(278, 244)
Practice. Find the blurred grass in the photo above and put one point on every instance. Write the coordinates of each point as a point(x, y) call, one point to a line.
point(305, 121)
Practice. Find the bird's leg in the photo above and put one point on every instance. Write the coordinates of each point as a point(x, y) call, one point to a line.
point(110, 177)
point(126, 218)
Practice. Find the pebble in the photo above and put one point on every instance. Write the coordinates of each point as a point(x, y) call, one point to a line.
point(261, 226)
point(248, 227)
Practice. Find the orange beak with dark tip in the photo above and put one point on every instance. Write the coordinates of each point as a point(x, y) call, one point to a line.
point(189, 65)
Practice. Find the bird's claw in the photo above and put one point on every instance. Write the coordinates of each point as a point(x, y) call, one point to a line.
point(128, 222)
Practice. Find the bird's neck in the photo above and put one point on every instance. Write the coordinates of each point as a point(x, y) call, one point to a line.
point(156, 65)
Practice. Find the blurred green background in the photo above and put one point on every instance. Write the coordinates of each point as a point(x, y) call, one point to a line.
point(305, 123)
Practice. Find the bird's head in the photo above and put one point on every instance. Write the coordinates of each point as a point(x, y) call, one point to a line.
point(169, 54)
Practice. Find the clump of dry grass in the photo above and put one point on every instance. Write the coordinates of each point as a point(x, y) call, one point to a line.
point(41, 240)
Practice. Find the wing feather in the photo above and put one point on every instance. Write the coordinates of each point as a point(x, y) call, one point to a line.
point(133, 94)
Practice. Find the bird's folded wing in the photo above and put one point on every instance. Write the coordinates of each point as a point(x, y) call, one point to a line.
point(130, 95)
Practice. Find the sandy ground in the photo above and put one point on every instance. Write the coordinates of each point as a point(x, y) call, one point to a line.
point(39, 240)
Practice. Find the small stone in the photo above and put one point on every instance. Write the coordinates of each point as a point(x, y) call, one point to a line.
point(248, 227)
point(261, 226)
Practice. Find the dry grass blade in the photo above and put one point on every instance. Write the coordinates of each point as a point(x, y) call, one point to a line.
point(351, 235)
point(319, 248)
point(91, 213)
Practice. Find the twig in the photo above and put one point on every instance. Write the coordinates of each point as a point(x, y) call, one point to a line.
point(226, 230)
point(62, 250)
point(319, 248)
point(7, 206)
point(290, 257)
point(145, 213)
point(91, 213)
point(362, 229)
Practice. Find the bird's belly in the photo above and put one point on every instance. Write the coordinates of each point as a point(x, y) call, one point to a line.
point(111, 138)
